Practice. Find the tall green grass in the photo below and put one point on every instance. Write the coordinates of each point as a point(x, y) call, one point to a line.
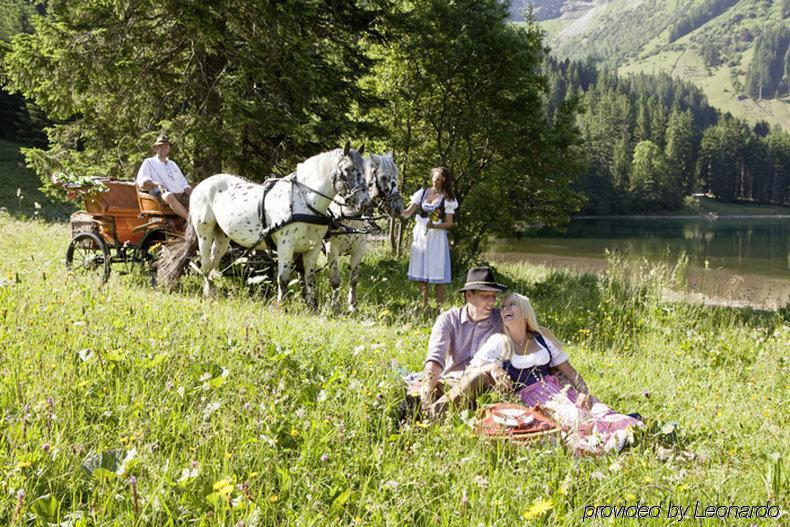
point(127, 406)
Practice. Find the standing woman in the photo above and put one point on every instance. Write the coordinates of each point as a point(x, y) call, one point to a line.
point(430, 251)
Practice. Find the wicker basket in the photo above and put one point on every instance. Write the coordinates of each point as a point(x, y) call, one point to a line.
point(81, 221)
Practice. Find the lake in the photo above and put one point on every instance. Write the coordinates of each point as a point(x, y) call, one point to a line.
point(732, 260)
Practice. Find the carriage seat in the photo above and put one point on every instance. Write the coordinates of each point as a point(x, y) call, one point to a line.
point(119, 200)
point(151, 205)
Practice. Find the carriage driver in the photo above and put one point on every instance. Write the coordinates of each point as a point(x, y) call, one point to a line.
point(161, 177)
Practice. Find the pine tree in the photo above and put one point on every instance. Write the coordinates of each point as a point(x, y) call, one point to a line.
point(680, 154)
point(648, 175)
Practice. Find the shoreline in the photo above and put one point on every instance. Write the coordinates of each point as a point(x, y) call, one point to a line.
point(711, 287)
point(707, 216)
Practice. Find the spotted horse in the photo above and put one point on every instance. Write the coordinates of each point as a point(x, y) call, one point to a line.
point(288, 213)
point(381, 175)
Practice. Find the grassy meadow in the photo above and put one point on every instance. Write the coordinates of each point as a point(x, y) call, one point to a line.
point(124, 405)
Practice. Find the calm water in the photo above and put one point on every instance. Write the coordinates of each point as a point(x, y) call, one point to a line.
point(743, 259)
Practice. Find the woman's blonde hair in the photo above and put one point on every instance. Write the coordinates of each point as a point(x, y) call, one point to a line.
point(532, 322)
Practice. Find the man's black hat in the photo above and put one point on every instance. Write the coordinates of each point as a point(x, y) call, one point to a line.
point(481, 279)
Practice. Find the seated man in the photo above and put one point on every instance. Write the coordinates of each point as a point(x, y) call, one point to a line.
point(459, 332)
point(161, 177)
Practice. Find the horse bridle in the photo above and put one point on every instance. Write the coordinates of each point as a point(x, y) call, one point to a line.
point(352, 191)
point(389, 196)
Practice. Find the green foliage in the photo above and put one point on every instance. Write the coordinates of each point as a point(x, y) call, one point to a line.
point(621, 112)
point(15, 18)
point(649, 173)
point(463, 90)
point(19, 121)
point(769, 71)
point(699, 15)
point(680, 139)
point(720, 157)
point(244, 87)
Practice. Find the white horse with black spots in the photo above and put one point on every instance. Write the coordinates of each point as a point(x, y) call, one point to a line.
point(381, 175)
point(226, 207)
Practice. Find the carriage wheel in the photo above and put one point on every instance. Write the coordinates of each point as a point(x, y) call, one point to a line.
point(88, 255)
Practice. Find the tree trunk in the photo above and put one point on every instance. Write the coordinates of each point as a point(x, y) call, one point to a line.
point(399, 246)
point(393, 235)
point(208, 114)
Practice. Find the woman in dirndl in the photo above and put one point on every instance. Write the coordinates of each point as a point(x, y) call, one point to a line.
point(430, 250)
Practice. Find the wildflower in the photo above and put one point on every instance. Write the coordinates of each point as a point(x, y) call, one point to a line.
point(46, 448)
point(597, 475)
point(223, 487)
point(538, 508)
point(324, 458)
point(630, 497)
point(481, 481)
point(294, 433)
point(273, 498)
point(615, 467)
point(24, 464)
point(391, 484)
point(464, 498)
point(228, 455)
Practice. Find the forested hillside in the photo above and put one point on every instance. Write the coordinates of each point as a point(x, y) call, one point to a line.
point(650, 141)
point(729, 48)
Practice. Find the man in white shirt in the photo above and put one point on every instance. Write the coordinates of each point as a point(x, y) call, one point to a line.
point(161, 177)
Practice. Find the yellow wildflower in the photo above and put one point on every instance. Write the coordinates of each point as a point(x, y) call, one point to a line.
point(228, 455)
point(538, 508)
point(223, 487)
point(24, 464)
point(630, 497)
point(273, 498)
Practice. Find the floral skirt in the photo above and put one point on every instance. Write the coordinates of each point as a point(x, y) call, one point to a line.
point(596, 431)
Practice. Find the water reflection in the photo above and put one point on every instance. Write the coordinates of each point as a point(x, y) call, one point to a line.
point(738, 253)
point(740, 245)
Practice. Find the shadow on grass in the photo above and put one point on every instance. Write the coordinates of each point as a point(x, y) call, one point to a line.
point(19, 189)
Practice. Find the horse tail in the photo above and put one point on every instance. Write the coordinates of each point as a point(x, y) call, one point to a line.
point(174, 258)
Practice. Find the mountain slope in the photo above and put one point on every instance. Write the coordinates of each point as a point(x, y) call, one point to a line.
point(708, 42)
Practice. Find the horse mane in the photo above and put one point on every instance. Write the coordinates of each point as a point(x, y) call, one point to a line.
point(315, 164)
point(386, 163)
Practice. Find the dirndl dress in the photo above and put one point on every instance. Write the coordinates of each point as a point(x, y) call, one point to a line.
point(430, 249)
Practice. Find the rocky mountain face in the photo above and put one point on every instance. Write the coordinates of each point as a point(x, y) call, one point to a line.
point(712, 43)
point(551, 9)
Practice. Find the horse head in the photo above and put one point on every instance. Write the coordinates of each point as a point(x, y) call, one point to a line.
point(349, 181)
point(382, 178)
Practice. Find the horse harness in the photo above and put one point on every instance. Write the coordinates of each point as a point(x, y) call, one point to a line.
point(315, 218)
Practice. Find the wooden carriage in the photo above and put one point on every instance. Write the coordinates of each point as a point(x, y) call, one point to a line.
point(120, 225)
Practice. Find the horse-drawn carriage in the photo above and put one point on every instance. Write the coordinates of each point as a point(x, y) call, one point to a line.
point(235, 225)
point(119, 225)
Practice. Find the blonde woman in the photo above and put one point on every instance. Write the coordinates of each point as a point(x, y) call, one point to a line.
point(529, 359)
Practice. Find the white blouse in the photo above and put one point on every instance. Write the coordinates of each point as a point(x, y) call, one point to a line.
point(492, 352)
point(449, 204)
